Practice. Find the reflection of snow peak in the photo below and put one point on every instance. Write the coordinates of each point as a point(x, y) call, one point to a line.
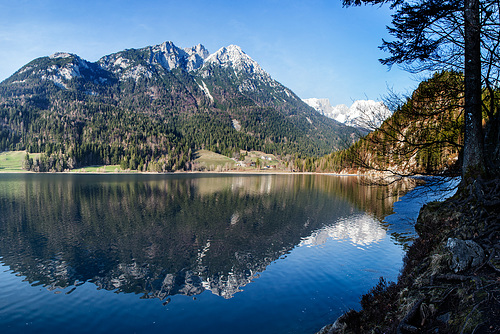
point(360, 230)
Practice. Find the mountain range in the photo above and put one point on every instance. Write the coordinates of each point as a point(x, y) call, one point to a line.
point(151, 108)
point(365, 114)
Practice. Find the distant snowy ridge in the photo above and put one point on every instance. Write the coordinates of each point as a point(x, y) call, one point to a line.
point(367, 114)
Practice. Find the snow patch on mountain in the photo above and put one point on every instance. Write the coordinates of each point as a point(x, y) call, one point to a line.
point(236, 124)
point(61, 55)
point(167, 55)
point(137, 72)
point(60, 75)
point(122, 62)
point(367, 114)
point(204, 88)
point(196, 57)
point(171, 57)
point(233, 56)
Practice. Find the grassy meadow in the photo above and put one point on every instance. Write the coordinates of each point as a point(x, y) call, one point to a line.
point(12, 161)
point(212, 161)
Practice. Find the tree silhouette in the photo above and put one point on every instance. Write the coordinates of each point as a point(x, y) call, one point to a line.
point(462, 36)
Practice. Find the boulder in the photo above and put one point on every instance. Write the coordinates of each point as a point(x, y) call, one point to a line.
point(464, 254)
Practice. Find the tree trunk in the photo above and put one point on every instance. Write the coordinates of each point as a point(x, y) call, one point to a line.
point(473, 155)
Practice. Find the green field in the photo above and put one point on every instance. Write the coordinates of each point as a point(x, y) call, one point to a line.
point(212, 161)
point(12, 161)
point(99, 169)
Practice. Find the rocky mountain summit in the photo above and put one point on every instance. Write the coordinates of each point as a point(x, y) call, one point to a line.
point(60, 68)
point(166, 56)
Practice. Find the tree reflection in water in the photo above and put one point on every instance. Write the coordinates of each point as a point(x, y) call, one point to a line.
point(160, 235)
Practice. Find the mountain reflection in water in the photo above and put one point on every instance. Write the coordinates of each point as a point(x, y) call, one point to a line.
point(160, 236)
point(360, 230)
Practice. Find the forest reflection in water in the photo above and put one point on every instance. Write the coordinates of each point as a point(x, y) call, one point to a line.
point(160, 236)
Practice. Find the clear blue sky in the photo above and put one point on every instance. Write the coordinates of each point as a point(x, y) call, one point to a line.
point(316, 48)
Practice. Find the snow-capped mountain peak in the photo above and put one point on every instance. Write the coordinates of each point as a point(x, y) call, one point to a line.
point(170, 56)
point(136, 63)
point(199, 50)
point(367, 114)
point(234, 56)
point(196, 56)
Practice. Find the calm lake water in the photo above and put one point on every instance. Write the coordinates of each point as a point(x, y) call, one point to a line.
point(191, 254)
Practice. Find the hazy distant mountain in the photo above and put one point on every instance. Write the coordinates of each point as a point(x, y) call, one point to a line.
point(156, 105)
point(367, 114)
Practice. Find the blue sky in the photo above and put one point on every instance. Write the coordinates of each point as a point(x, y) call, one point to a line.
point(316, 48)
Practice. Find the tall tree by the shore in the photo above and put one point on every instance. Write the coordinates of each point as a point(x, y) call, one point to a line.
point(459, 35)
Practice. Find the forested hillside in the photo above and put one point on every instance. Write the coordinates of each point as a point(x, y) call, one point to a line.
point(424, 136)
point(150, 108)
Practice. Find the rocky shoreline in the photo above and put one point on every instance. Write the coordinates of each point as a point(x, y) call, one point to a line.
point(450, 281)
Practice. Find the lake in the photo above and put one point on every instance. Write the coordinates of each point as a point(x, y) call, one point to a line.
point(191, 253)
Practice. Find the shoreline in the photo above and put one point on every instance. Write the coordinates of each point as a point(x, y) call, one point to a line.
point(367, 175)
point(11, 162)
point(450, 279)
